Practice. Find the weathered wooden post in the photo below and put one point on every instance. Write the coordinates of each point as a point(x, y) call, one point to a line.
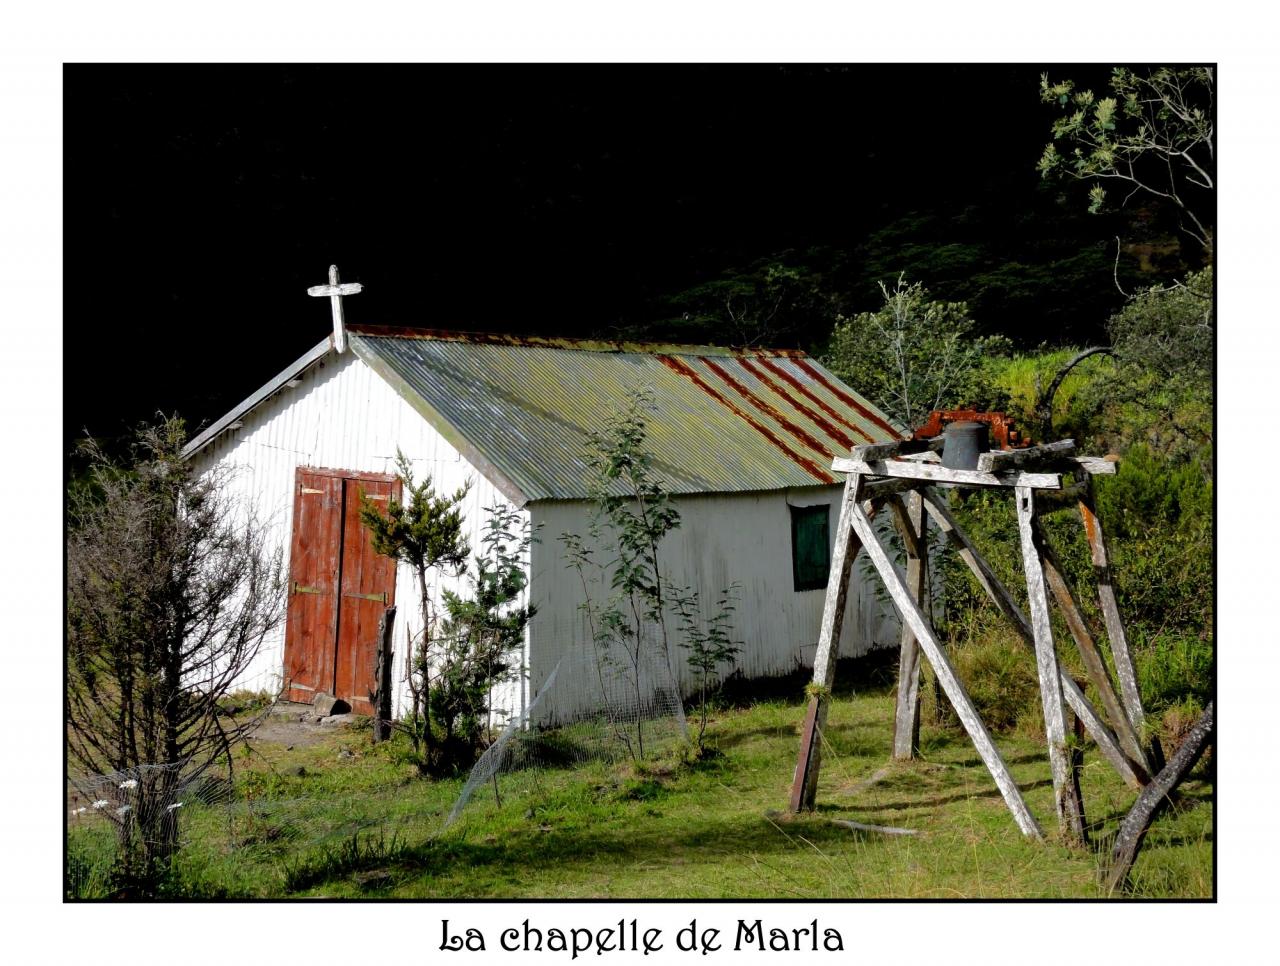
point(1133, 828)
point(1066, 791)
point(381, 697)
point(1089, 653)
point(1134, 775)
point(804, 783)
point(909, 512)
point(1125, 670)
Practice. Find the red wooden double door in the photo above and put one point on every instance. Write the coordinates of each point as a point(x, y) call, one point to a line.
point(338, 587)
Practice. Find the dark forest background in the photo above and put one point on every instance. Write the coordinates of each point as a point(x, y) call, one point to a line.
point(561, 200)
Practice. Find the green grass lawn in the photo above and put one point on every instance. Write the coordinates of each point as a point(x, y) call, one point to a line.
point(358, 822)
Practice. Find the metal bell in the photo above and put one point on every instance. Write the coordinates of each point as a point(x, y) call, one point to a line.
point(962, 443)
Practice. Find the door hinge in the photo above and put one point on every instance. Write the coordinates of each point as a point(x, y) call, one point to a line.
point(299, 589)
point(382, 597)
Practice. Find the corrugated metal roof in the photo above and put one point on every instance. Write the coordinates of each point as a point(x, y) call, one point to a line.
point(723, 421)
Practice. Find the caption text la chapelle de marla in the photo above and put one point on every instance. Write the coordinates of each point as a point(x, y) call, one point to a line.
point(629, 936)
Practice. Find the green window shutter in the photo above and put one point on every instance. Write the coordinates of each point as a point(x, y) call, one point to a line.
point(810, 546)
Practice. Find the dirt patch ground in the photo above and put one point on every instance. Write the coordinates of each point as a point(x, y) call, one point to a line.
point(283, 727)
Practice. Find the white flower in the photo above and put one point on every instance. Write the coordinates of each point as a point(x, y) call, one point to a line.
point(101, 803)
point(79, 811)
point(130, 784)
point(173, 806)
point(122, 810)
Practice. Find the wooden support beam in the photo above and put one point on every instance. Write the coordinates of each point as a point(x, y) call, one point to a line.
point(897, 447)
point(879, 489)
point(946, 675)
point(1133, 774)
point(1094, 664)
point(1097, 465)
point(804, 784)
point(934, 473)
point(1047, 501)
point(1076, 758)
point(1126, 673)
point(912, 524)
point(380, 697)
point(1069, 807)
point(1003, 460)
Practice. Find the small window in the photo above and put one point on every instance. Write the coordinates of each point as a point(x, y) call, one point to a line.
point(810, 546)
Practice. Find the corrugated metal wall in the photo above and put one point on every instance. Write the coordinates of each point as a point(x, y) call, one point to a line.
point(342, 416)
point(722, 539)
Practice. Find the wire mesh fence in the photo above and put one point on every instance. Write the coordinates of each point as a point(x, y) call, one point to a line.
point(156, 830)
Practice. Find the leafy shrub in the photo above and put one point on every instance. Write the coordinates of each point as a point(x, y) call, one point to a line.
point(912, 355)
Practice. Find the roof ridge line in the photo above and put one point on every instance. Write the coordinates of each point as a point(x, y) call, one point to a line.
point(573, 344)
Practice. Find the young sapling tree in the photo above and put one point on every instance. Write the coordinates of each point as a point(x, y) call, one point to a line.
point(482, 634)
point(424, 530)
point(708, 646)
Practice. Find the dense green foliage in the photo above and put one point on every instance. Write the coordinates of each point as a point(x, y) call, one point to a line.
point(912, 355)
point(1160, 392)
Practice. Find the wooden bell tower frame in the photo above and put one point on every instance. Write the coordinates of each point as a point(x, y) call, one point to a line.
point(903, 475)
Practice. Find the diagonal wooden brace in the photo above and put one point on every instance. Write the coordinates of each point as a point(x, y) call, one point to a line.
point(945, 673)
point(1089, 653)
point(1134, 774)
point(1126, 673)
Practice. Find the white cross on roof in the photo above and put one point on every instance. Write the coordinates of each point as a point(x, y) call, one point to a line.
point(335, 290)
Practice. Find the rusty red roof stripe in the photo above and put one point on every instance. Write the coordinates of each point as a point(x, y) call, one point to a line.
point(812, 397)
point(803, 436)
point(845, 398)
point(835, 432)
point(676, 365)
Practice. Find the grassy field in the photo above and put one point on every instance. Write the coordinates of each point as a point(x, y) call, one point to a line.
point(342, 817)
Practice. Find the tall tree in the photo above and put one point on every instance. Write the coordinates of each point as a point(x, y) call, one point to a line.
point(171, 590)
